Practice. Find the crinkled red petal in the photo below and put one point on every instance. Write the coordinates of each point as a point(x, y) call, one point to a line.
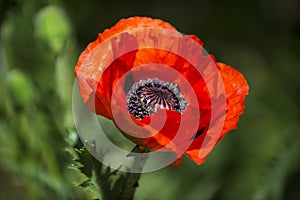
point(98, 79)
point(236, 89)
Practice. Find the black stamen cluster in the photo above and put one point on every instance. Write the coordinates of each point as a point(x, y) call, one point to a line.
point(147, 96)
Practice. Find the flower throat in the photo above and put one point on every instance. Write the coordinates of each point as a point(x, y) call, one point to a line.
point(147, 96)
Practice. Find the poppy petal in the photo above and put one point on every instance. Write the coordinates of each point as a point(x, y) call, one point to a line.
point(236, 89)
point(131, 51)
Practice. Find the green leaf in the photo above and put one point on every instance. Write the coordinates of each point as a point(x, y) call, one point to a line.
point(85, 159)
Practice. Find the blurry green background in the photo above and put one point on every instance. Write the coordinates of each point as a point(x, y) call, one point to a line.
point(39, 46)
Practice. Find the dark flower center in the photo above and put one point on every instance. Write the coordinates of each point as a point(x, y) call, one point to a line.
point(147, 96)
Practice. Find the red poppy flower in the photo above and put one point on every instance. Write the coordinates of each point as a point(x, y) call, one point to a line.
point(160, 87)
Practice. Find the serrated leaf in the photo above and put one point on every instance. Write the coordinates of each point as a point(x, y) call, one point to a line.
point(85, 159)
point(85, 183)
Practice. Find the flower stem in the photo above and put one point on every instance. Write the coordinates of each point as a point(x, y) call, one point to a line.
point(132, 179)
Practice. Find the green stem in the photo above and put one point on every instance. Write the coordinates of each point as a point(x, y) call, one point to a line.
point(102, 180)
point(132, 179)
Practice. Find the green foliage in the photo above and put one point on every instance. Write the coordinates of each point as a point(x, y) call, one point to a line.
point(20, 88)
point(45, 20)
point(102, 182)
point(33, 133)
